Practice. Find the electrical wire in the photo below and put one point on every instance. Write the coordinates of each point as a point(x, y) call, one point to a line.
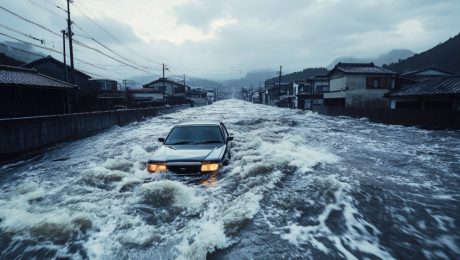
point(42, 41)
point(110, 34)
point(52, 50)
point(29, 21)
point(76, 41)
point(46, 9)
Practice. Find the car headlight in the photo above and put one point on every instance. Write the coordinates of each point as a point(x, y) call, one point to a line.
point(209, 167)
point(156, 167)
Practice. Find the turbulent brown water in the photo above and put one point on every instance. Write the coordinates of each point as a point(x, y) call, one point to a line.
point(300, 185)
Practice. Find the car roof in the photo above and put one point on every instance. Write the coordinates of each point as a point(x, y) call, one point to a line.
point(199, 123)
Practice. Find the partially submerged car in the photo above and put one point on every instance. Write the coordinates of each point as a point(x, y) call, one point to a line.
point(192, 149)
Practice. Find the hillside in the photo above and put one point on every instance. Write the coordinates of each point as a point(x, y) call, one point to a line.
point(252, 79)
point(380, 60)
point(445, 56)
point(300, 75)
point(190, 81)
point(21, 52)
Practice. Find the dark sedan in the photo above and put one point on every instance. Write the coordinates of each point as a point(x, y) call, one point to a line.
point(194, 148)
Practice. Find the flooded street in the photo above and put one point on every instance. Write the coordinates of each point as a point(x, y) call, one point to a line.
point(299, 185)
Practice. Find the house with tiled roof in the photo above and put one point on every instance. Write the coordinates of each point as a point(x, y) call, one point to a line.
point(359, 85)
point(26, 92)
point(311, 91)
point(425, 73)
point(145, 97)
point(435, 93)
point(174, 92)
point(56, 69)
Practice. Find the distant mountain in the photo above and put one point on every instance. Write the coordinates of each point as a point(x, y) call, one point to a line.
point(386, 58)
point(445, 56)
point(299, 75)
point(8, 61)
point(203, 83)
point(22, 52)
point(190, 81)
point(252, 79)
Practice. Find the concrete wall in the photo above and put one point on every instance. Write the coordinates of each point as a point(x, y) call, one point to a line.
point(23, 135)
point(428, 119)
point(367, 98)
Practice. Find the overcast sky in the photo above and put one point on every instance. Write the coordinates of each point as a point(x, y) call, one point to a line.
point(226, 39)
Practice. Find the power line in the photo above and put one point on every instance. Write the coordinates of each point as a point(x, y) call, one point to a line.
point(52, 50)
point(112, 51)
point(35, 45)
point(21, 50)
point(77, 42)
point(46, 9)
point(108, 56)
point(111, 35)
point(29, 21)
point(24, 34)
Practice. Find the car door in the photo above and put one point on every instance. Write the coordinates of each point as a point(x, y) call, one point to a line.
point(228, 144)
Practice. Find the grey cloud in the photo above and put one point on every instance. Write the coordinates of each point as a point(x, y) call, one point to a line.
point(122, 32)
point(295, 33)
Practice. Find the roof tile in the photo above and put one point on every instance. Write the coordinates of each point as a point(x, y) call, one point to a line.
point(437, 86)
point(27, 77)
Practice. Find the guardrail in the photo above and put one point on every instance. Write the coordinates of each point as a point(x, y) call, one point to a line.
point(19, 136)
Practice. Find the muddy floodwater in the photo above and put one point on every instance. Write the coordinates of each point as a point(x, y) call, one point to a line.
point(299, 185)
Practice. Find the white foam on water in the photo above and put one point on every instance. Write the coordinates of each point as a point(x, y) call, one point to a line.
point(293, 151)
point(106, 187)
point(356, 236)
point(21, 215)
point(99, 176)
point(209, 236)
point(176, 193)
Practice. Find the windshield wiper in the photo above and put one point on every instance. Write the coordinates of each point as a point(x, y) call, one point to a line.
point(210, 142)
point(182, 142)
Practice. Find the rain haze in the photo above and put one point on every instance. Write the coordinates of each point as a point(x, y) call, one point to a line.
point(227, 39)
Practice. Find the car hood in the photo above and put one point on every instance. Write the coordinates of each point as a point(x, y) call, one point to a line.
point(188, 153)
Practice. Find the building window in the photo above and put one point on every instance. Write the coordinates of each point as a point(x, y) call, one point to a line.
point(377, 82)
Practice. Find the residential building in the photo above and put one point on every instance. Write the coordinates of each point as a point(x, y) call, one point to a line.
point(174, 92)
point(359, 85)
point(198, 97)
point(54, 68)
point(211, 96)
point(144, 97)
point(107, 94)
point(279, 94)
point(435, 93)
point(25, 92)
point(103, 85)
point(425, 73)
point(311, 92)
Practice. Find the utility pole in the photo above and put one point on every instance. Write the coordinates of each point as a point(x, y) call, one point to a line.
point(63, 51)
point(164, 66)
point(279, 84)
point(70, 34)
point(163, 78)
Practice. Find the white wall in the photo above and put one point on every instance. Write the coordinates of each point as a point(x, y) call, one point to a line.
point(337, 84)
point(151, 96)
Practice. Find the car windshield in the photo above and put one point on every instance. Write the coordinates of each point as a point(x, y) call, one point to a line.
point(194, 135)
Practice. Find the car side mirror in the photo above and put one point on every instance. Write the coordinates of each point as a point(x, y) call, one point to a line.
point(230, 138)
point(161, 139)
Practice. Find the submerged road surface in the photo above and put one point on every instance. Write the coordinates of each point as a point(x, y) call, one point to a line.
point(300, 185)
